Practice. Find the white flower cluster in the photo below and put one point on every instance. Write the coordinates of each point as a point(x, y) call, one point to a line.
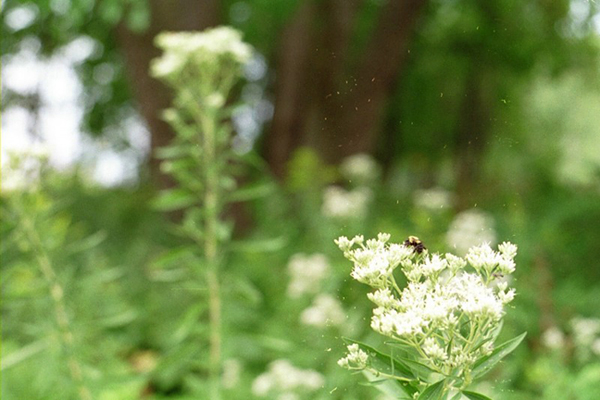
point(210, 48)
point(284, 381)
point(346, 204)
point(306, 273)
point(359, 168)
point(324, 311)
point(445, 311)
point(586, 337)
point(433, 199)
point(470, 228)
point(355, 359)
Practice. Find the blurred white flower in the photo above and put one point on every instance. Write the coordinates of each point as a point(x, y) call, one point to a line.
point(344, 204)
point(232, 369)
point(282, 379)
point(306, 273)
point(470, 228)
point(360, 168)
point(324, 311)
point(553, 338)
point(432, 199)
point(212, 48)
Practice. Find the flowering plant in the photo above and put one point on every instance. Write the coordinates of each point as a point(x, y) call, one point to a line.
point(441, 326)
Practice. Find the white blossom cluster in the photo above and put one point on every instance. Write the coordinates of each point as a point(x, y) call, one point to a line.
point(470, 228)
point(586, 337)
point(433, 199)
point(450, 307)
point(185, 51)
point(325, 311)
point(306, 273)
point(284, 381)
point(359, 168)
point(356, 358)
point(346, 204)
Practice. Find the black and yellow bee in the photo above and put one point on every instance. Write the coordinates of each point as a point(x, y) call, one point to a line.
point(415, 243)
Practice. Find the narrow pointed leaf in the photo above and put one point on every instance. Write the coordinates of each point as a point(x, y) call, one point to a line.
point(392, 388)
point(433, 392)
point(475, 396)
point(170, 200)
point(486, 363)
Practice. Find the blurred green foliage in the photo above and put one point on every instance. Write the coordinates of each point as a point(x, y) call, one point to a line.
point(129, 306)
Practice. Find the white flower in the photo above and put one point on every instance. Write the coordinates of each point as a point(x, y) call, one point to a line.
point(470, 228)
point(343, 204)
point(553, 338)
point(360, 167)
point(199, 50)
point(433, 199)
point(232, 369)
point(306, 273)
point(324, 311)
point(283, 379)
point(355, 359)
point(433, 349)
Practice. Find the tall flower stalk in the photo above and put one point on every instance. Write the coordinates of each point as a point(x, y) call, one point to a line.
point(202, 68)
point(27, 231)
point(441, 327)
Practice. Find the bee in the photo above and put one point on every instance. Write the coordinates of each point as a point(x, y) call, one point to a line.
point(498, 275)
point(415, 243)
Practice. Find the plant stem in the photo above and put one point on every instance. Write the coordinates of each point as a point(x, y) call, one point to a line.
point(60, 310)
point(211, 202)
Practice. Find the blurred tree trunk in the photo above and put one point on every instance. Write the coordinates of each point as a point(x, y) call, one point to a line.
point(138, 50)
point(471, 138)
point(320, 101)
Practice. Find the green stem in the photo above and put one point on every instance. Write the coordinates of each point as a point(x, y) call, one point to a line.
point(60, 310)
point(211, 201)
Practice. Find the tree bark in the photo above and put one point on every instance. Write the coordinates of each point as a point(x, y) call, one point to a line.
point(335, 110)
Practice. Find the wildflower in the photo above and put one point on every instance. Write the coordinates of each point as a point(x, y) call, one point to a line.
point(344, 204)
point(355, 359)
point(553, 338)
point(192, 51)
point(443, 299)
point(470, 228)
point(306, 273)
point(433, 199)
point(284, 379)
point(361, 168)
point(324, 311)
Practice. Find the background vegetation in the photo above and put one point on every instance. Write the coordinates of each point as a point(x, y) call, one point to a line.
point(495, 103)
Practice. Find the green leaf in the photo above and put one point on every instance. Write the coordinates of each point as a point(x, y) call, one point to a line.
point(392, 388)
point(178, 257)
point(383, 362)
point(176, 199)
point(260, 245)
point(251, 192)
point(87, 243)
point(422, 371)
point(484, 364)
point(475, 396)
point(433, 392)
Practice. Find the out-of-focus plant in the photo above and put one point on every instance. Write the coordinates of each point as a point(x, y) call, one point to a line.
point(202, 69)
point(442, 326)
point(58, 297)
